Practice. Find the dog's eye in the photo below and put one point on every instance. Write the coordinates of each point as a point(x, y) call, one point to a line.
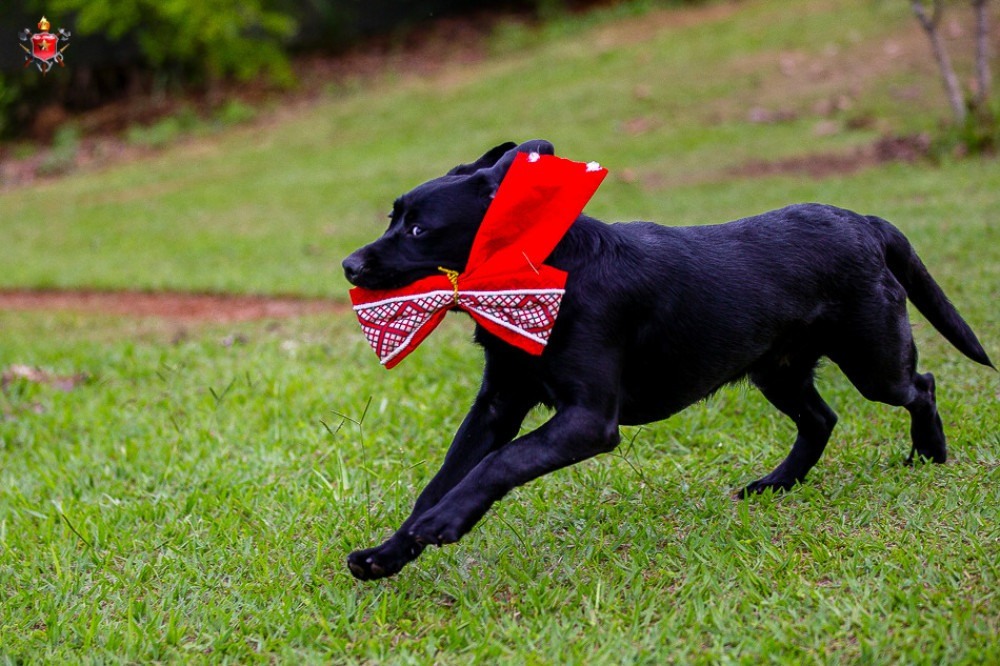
point(416, 230)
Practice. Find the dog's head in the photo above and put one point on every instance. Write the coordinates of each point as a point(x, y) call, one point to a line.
point(434, 224)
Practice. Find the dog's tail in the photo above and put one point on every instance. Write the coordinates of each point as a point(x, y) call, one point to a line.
point(926, 294)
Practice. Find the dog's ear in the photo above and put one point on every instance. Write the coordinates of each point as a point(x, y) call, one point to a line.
point(496, 173)
point(484, 162)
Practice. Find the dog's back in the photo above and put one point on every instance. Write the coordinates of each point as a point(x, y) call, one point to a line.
point(702, 306)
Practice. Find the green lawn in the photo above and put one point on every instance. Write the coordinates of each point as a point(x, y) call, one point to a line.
point(194, 500)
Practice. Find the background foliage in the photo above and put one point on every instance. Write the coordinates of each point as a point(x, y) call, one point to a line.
point(217, 37)
point(122, 45)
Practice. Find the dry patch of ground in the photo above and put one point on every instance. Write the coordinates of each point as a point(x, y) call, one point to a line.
point(910, 148)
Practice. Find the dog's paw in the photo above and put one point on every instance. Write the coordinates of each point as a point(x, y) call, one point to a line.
point(761, 486)
point(437, 528)
point(381, 561)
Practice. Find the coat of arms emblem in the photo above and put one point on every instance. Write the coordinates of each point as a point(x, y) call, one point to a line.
point(46, 49)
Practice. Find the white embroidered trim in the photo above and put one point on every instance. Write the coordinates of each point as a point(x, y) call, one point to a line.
point(396, 299)
point(405, 343)
point(431, 294)
point(525, 292)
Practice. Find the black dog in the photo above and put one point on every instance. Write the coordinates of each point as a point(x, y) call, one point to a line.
point(655, 319)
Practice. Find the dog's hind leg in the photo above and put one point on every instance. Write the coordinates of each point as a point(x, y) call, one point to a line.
point(791, 390)
point(900, 385)
point(926, 430)
point(878, 355)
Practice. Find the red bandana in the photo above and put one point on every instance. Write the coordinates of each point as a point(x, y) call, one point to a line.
point(505, 287)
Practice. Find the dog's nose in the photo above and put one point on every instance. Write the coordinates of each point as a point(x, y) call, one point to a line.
point(353, 266)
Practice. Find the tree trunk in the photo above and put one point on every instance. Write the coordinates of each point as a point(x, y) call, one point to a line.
point(983, 79)
point(951, 85)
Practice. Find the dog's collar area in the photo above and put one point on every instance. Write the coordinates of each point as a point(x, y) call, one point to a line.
point(506, 287)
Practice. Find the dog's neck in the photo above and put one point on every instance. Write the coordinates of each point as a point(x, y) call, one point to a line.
point(587, 239)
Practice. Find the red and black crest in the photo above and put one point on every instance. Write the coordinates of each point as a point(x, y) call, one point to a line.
point(46, 48)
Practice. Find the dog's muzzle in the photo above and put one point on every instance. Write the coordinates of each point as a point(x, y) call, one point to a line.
point(354, 266)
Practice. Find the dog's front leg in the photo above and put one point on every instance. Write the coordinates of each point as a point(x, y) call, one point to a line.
point(493, 421)
point(572, 435)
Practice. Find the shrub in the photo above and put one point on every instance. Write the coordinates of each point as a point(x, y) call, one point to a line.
point(213, 38)
point(62, 155)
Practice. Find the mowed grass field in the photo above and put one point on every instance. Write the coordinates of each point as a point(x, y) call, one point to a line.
point(192, 496)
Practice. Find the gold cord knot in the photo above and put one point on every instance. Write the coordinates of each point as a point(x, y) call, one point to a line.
point(452, 276)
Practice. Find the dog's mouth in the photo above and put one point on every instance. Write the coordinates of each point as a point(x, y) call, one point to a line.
point(366, 279)
point(366, 276)
point(361, 273)
point(376, 282)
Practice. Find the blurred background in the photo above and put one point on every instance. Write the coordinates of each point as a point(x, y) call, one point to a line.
point(150, 52)
point(142, 47)
point(268, 136)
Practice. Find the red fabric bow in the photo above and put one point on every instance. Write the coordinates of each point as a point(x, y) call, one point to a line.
point(505, 287)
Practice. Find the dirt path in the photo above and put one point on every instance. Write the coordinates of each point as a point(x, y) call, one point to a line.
point(183, 307)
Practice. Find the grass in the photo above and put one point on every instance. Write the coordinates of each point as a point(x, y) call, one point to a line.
point(193, 500)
